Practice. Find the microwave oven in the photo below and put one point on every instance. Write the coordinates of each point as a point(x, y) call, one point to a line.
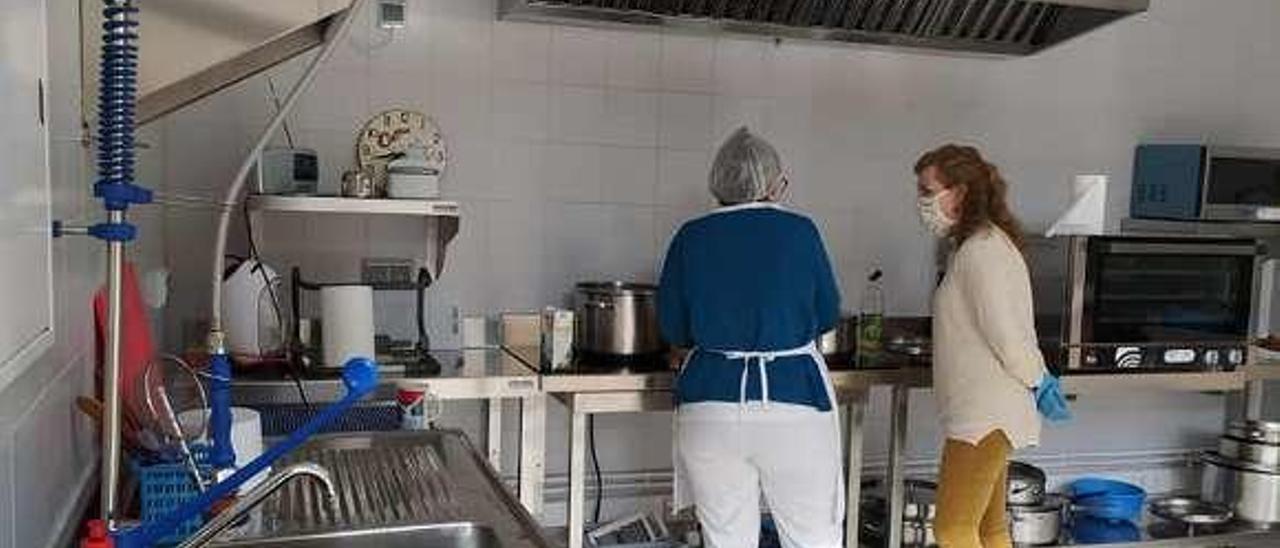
point(1205, 183)
point(1135, 303)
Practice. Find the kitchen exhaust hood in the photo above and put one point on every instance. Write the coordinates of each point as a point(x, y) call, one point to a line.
point(997, 27)
point(190, 49)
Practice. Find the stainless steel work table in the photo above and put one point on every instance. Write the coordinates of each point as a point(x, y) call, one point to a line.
point(492, 375)
point(589, 392)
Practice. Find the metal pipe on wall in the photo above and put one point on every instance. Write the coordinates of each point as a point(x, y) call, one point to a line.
point(115, 186)
point(111, 376)
point(222, 454)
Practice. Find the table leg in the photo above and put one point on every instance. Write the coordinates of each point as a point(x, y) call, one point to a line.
point(855, 418)
point(533, 451)
point(897, 450)
point(493, 434)
point(577, 473)
point(1254, 399)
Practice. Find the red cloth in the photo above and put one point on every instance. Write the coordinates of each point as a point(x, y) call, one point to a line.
point(136, 349)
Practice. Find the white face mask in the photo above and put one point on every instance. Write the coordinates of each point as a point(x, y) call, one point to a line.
point(932, 215)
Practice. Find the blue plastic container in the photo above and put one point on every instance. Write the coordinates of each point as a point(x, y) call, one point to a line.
point(1093, 530)
point(166, 485)
point(1107, 499)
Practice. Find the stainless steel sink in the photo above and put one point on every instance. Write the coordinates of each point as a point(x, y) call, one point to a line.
point(420, 488)
point(454, 535)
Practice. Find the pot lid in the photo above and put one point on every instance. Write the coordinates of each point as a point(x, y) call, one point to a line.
point(1022, 470)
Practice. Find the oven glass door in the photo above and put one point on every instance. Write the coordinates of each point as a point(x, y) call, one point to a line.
point(1236, 181)
point(1158, 291)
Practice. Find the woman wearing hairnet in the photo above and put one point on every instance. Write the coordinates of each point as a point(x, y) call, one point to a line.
point(746, 289)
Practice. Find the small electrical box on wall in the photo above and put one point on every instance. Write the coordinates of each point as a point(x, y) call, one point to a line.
point(391, 14)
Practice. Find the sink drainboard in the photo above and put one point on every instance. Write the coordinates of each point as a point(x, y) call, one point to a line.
point(376, 487)
point(422, 483)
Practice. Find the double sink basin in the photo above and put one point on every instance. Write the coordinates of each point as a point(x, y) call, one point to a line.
point(394, 489)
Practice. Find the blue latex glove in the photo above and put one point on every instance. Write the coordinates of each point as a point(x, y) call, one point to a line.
point(1050, 401)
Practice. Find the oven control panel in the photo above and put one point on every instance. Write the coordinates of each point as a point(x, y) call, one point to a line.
point(1207, 356)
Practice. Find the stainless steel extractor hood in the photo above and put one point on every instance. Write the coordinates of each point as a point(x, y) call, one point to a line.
point(1001, 27)
point(190, 49)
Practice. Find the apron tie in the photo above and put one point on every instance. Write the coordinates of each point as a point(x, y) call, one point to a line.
point(761, 360)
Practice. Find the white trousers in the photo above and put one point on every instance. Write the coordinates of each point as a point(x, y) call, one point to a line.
point(732, 453)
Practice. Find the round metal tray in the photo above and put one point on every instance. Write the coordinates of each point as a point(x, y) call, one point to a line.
point(1191, 511)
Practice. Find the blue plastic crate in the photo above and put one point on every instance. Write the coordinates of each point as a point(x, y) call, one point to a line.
point(165, 486)
point(280, 420)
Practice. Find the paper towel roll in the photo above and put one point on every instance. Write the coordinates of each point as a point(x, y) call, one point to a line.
point(347, 317)
point(1087, 213)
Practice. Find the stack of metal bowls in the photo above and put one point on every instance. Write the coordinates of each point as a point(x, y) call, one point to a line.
point(1244, 473)
point(1035, 517)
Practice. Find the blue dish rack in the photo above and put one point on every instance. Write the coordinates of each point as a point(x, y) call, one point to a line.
point(163, 486)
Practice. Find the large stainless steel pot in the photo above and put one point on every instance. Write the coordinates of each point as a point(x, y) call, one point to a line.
point(1038, 525)
point(1026, 485)
point(1252, 441)
point(617, 319)
point(1251, 490)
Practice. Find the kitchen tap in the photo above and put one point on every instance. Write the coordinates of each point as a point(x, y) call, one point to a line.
point(259, 494)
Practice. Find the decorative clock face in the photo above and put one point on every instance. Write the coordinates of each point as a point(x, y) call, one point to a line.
point(391, 132)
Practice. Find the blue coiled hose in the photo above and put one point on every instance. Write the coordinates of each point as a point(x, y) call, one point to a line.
point(117, 97)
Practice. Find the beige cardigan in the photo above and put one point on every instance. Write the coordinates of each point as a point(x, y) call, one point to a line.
point(986, 360)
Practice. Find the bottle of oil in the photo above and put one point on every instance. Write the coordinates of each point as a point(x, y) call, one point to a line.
point(871, 322)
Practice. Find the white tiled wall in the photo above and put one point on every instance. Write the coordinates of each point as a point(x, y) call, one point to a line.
point(576, 152)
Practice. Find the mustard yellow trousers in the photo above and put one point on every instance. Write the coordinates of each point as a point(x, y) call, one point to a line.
point(971, 494)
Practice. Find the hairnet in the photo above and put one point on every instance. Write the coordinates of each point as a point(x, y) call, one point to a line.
point(746, 168)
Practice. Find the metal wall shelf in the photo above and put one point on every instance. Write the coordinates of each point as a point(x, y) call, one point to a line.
point(357, 206)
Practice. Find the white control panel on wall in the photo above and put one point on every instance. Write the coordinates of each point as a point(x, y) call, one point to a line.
point(26, 301)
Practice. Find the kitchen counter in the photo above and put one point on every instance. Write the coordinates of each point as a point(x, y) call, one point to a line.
point(462, 374)
point(910, 371)
point(582, 377)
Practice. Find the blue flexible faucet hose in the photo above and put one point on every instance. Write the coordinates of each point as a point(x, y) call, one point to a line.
point(221, 453)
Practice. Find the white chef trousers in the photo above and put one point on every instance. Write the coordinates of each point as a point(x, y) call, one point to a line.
point(733, 452)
